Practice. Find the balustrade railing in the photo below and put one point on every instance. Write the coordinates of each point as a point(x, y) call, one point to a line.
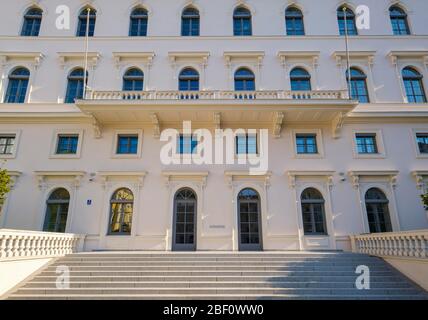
point(32, 244)
point(217, 95)
point(400, 244)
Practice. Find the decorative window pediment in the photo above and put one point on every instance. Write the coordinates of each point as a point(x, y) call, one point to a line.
point(78, 58)
point(47, 178)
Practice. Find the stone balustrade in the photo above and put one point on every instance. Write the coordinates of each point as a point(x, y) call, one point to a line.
point(21, 244)
point(217, 95)
point(395, 244)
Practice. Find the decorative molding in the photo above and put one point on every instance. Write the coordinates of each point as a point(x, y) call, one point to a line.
point(293, 174)
point(278, 121)
point(232, 176)
point(156, 125)
point(93, 58)
point(198, 176)
point(42, 176)
point(257, 56)
point(354, 55)
point(420, 177)
point(14, 175)
point(356, 176)
point(35, 57)
point(197, 56)
point(217, 120)
point(146, 57)
point(106, 177)
point(337, 124)
point(284, 55)
point(96, 127)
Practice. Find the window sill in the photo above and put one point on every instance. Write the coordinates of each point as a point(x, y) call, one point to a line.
point(126, 156)
point(64, 156)
point(8, 156)
point(370, 156)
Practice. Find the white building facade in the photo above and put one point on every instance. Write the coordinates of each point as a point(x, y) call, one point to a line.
point(335, 166)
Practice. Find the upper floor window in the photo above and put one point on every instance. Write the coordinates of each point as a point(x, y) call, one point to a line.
point(187, 144)
point(306, 143)
point(133, 80)
point(188, 80)
point(245, 80)
point(139, 22)
point(366, 143)
point(32, 22)
point(346, 15)
point(300, 80)
point(414, 87)
point(127, 144)
point(246, 144)
point(67, 144)
point(17, 87)
point(242, 22)
point(399, 22)
point(75, 85)
point(294, 22)
point(358, 85)
point(190, 22)
point(7, 144)
point(85, 14)
point(421, 139)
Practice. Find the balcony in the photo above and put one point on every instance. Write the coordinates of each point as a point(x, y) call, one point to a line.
point(217, 109)
point(216, 95)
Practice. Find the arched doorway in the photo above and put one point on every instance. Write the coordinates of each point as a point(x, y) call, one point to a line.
point(184, 232)
point(57, 211)
point(249, 220)
point(313, 212)
point(377, 211)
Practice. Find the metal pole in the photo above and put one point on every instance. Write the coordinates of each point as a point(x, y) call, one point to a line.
point(86, 53)
point(348, 71)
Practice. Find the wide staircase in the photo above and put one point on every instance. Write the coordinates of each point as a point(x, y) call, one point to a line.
point(208, 275)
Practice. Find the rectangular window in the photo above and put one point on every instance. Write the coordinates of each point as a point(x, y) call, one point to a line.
point(127, 144)
point(306, 144)
point(366, 143)
point(67, 144)
point(7, 143)
point(186, 144)
point(422, 140)
point(246, 144)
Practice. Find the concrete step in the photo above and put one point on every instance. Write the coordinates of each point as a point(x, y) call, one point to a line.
point(217, 272)
point(217, 290)
point(215, 278)
point(299, 268)
point(191, 297)
point(219, 284)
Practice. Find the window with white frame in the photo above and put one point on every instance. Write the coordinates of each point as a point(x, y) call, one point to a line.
point(306, 143)
point(246, 144)
point(67, 144)
point(422, 141)
point(366, 143)
point(127, 144)
point(7, 144)
point(187, 144)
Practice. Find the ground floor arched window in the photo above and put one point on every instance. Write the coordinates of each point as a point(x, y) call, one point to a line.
point(121, 211)
point(313, 212)
point(249, 220)
point(57, 207)
point(377, 211)
point(185, 208)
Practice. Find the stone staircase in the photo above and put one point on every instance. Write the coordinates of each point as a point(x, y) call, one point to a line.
point(209, 275)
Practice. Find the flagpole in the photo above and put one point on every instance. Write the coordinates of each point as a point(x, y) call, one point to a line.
point(86, 53)
point(348, 72)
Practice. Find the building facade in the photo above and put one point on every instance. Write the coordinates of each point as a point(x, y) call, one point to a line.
point(333, 162)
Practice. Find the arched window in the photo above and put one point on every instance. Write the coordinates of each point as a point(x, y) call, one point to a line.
point(377, 211)
point(32, 22)
point(188, 80)
point(398, 16)
point(121, 210)
point(349, 17)
point(358, 85)
point(139, 22)
point(83, 19)
point(185, 216)
point(300, 80)
point(245, 80)
point(413, 84)
point(294, 22)
point(190, 22)
point(17, 87)
point(242, 22)
point(133, 80)
point(57, 211)
point(75, 85)
point(313, 212)
point(249, 219)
